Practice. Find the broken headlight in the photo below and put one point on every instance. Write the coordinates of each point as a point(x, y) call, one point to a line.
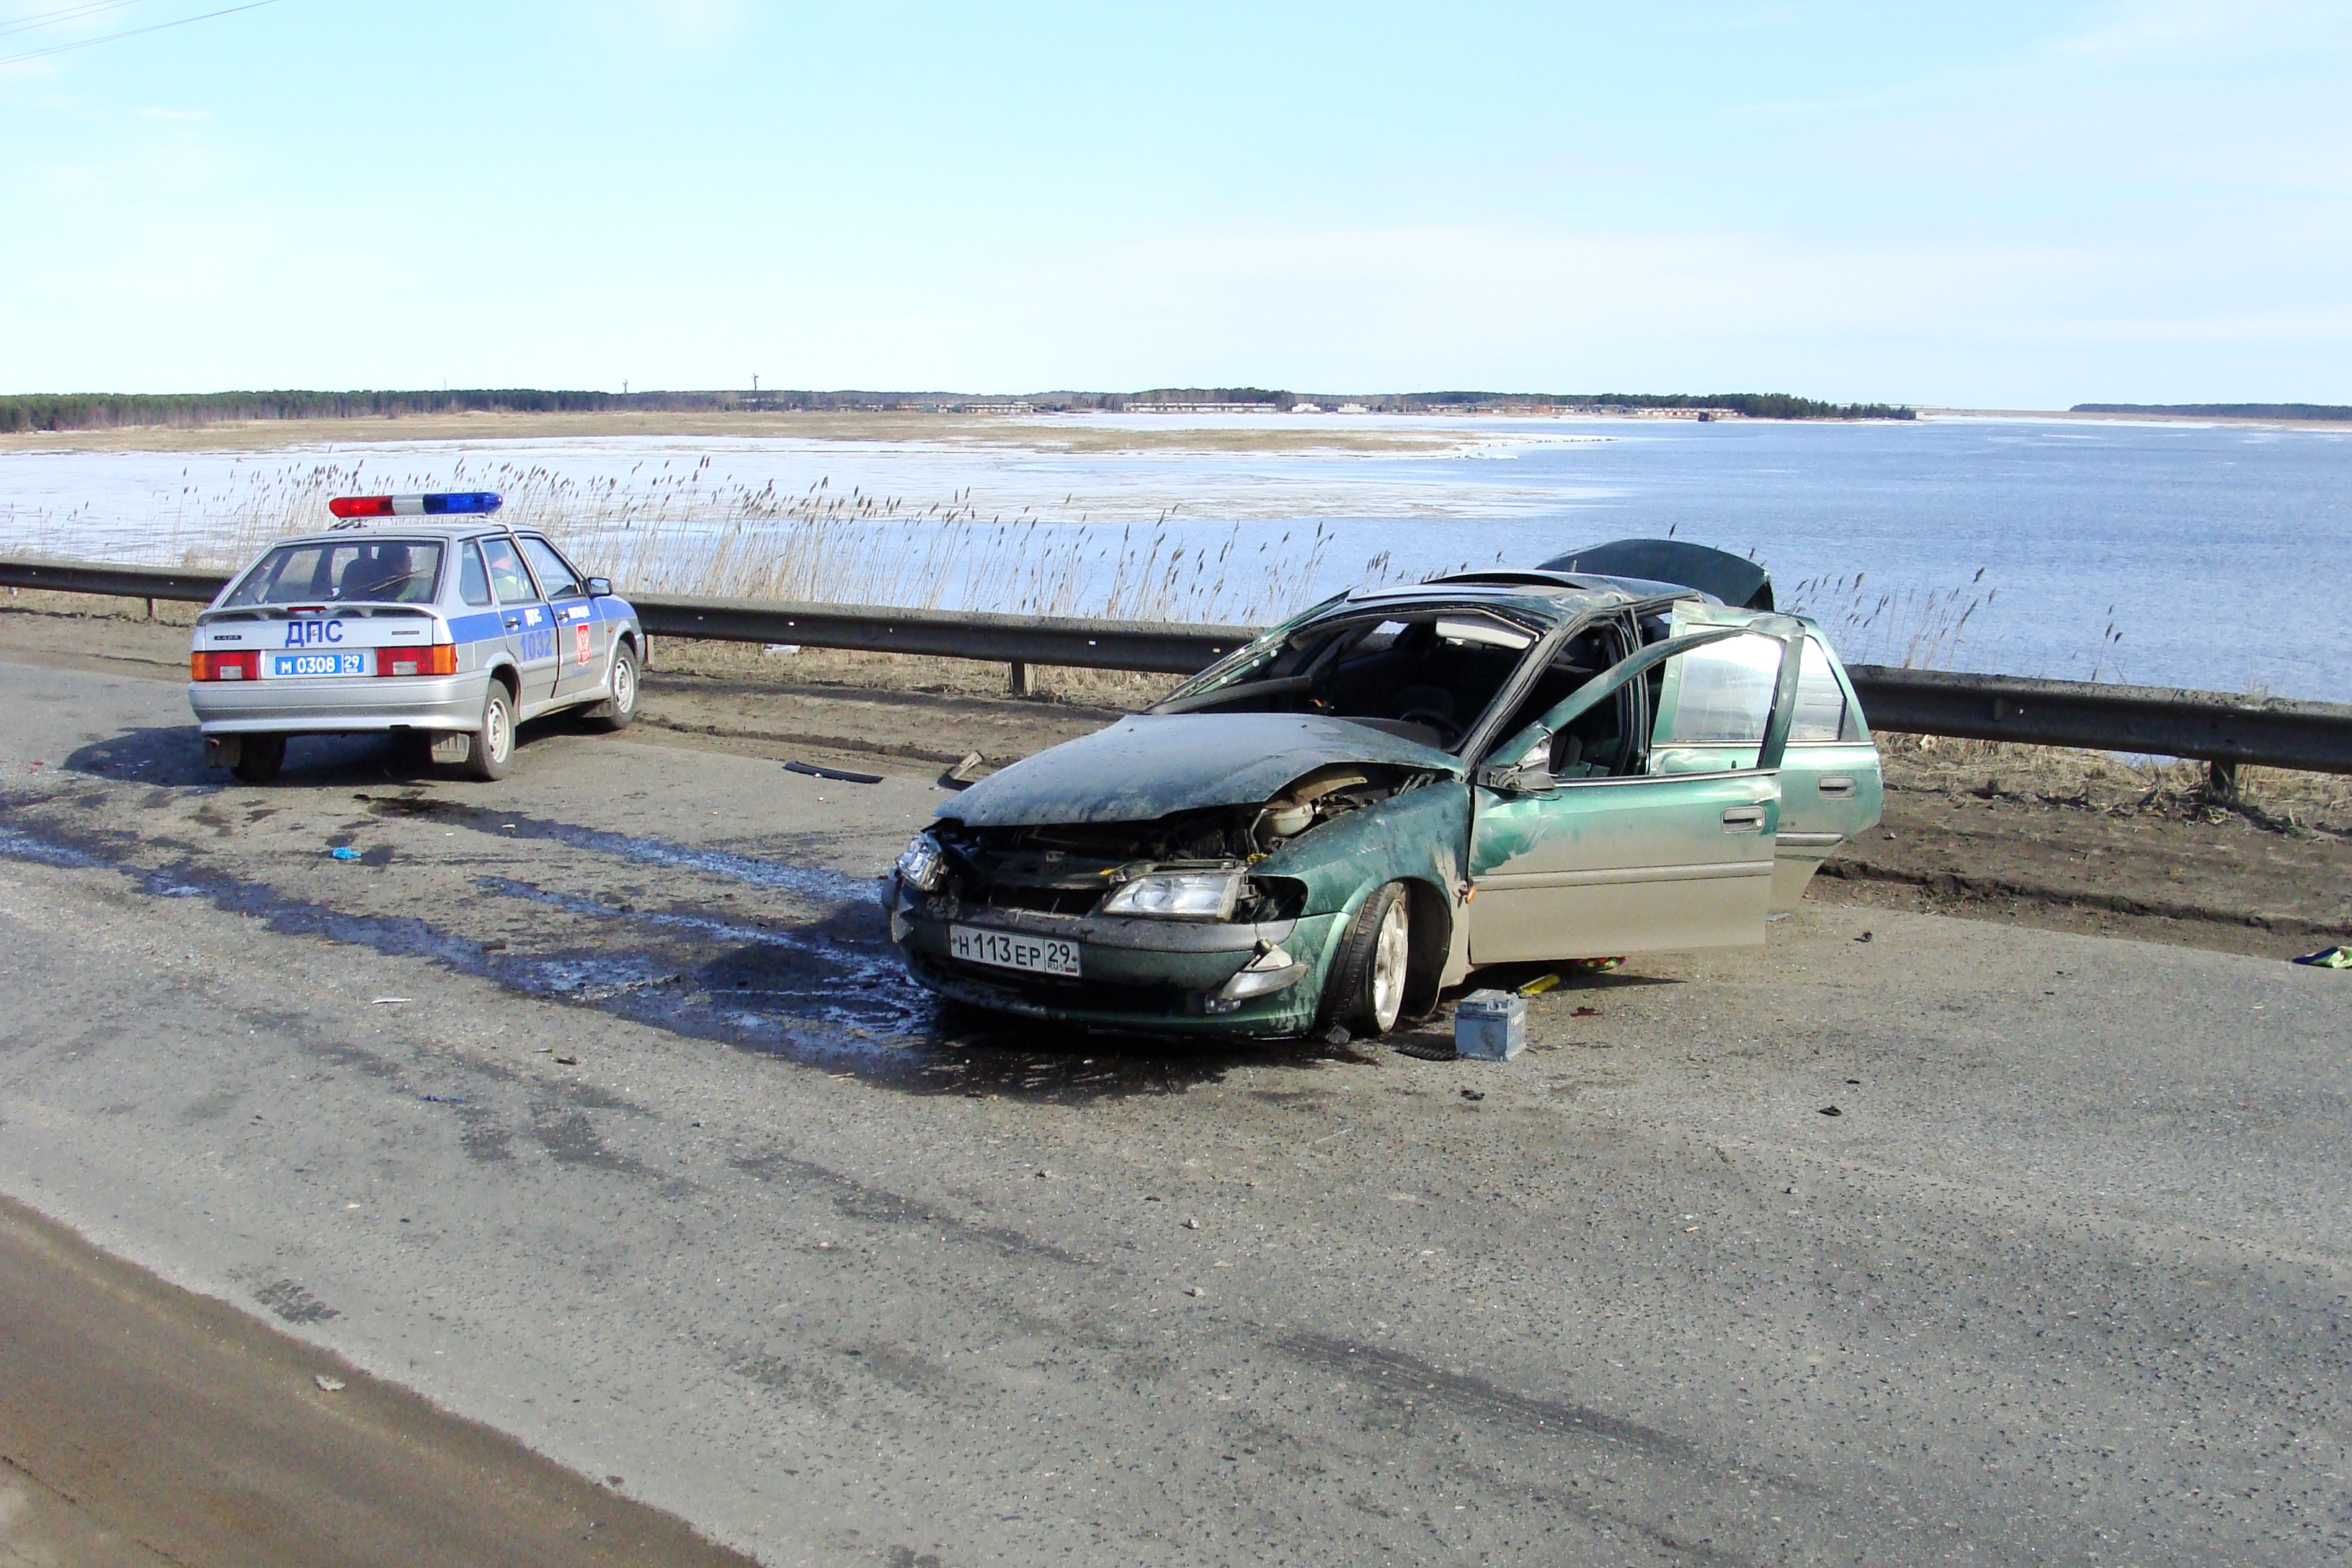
point(1178, 894)
point(923, 866)
point(1271, 971)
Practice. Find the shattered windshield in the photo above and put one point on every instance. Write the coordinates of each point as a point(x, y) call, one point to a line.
point(374, 571)
point(1424, 674)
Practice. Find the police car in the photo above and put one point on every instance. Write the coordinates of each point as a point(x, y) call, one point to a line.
point(415, 615)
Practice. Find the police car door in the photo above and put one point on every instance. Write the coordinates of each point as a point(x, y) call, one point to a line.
point(529, 624)
point(579, 634)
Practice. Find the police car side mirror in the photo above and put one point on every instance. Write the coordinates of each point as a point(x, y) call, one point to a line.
point(600, 588)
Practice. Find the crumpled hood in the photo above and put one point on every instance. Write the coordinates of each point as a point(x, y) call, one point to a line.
point(1145, 767)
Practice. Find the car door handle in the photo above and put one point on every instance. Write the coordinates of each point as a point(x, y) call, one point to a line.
point(513, 621)
point(1744, 819)
point(1836, 785)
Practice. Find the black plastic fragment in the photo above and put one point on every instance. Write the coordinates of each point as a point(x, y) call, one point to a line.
point(843, 775)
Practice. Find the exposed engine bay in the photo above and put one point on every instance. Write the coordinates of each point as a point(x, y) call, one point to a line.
point(1069, 867)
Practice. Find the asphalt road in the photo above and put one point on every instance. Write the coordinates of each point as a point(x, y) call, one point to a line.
point(591, 1106)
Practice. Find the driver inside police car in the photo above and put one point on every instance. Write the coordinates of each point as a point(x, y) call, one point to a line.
point(385, 573)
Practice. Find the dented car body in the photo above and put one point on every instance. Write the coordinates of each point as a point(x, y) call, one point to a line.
point(1339, 820)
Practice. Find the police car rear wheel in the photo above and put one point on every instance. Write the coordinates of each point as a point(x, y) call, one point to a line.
point(615, 712)
point(259, 758)
point(493, 746)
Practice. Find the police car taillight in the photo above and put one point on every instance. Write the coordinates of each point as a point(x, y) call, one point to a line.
point(447, 503)
point(441, 658)
point(225, 666)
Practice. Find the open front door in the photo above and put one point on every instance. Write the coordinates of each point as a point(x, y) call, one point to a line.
point(1580, 849)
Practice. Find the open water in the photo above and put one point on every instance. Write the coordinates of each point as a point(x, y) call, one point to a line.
point(2216, 557)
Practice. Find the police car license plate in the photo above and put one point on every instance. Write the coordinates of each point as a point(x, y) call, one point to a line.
point(1009, 950)
point(318, 664)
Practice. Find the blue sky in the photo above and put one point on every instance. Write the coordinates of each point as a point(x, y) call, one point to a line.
point(1992, 206)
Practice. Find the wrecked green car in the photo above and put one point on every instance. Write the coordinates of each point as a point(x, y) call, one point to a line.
point(1335, 823)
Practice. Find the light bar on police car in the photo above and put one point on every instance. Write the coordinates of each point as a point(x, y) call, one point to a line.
point(440, 504)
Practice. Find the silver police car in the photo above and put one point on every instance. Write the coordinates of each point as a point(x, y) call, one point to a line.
point(415, 615)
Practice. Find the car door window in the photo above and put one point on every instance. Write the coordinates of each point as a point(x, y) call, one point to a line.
point(507, 575)
point(555, 574)
point(1821, 711)
point(1719, 695)
point(1596, 743)
point(473, 578)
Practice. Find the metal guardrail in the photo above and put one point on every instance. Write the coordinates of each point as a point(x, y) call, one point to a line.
point(149, 583)
point(2213, 726)
point(1154, 646)
point(2158, 721)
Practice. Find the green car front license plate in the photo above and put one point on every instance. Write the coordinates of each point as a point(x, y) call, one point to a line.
point(1010, 950)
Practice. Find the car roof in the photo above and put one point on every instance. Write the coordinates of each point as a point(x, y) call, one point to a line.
point(396, 528)
point(1547, 598)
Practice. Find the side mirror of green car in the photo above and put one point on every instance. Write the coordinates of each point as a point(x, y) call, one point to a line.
point(1529, 777)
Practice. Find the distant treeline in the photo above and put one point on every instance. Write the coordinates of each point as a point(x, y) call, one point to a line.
point(1749, 404)
point(2223, 410)
point(106, 410)
point(100, 410)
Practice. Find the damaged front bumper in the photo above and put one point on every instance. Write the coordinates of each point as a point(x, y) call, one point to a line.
point(1259, 979)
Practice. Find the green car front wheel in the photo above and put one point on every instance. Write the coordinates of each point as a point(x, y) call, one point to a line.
point(1365, 995)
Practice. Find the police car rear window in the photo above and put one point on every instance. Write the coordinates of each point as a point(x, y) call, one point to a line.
point(346, 572)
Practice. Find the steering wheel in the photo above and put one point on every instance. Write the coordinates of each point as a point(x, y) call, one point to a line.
point(1448, 731)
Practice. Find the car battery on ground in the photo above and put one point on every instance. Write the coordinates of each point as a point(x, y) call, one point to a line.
point(1490, 1025)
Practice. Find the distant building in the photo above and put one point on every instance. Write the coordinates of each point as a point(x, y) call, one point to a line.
point(1306, 409)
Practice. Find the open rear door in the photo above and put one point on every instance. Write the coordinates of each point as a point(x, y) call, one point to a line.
point(1830, 787)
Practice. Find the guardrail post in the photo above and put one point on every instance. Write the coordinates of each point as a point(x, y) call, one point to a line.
point(2221, 779)
point(151, 609)
point(1016, 678)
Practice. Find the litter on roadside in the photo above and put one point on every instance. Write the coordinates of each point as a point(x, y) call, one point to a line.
point(843, 775)
point(443, 1098)
point(329, 1384)
point(1490, 1025)
point(962, 776)
point(1539, 985)
point(344, 852)
point(387, 1001)
point(2328, 958)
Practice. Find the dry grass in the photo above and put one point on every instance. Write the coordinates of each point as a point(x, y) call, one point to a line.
point(670, 526)
point(1120, 690)
point(1910, 628)
point(2278, 798)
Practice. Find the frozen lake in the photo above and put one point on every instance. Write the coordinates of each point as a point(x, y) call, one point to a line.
point(2160, 553)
